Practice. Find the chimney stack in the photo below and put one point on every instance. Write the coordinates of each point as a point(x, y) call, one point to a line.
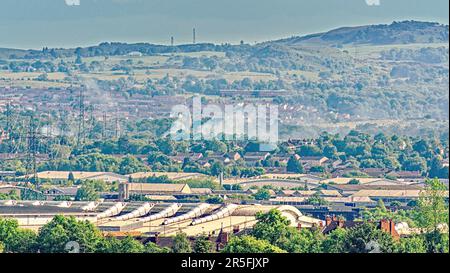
point(236, 229)
point(393, 231)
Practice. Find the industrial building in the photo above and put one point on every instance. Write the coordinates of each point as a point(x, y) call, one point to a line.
point(150, 219)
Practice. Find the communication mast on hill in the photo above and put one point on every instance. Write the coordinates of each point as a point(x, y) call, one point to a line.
point(194, 38)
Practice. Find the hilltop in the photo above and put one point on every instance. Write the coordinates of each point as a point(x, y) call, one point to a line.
point(405, 32)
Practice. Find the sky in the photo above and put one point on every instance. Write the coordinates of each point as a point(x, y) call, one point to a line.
point(70, 23)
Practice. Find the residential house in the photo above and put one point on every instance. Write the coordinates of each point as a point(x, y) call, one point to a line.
point(332, 223)
point(313, 161)
point(388, 196)
point(235, 156)
point(406, 175)
point(375, 172)
point(275, 170)
point(201, 191)
point(180, 157)
point(3, 136)
point(303, 200)
point(56, 192)
point(256, 156)
point(64, 175)
point(217, 157)
point(330, 193)
point(129, 189)
point(348, 190)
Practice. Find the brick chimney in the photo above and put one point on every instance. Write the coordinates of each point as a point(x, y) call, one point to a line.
point(299, 226)
point(222, 240)
point(393, 231)
point(236, 229)
point(328, 221)
point(224, 237)
point(341, 223)
point(385, 226)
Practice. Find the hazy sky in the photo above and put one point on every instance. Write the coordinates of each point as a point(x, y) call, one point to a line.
point(53, 23)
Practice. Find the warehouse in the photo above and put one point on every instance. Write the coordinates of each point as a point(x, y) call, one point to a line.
point(150, 219)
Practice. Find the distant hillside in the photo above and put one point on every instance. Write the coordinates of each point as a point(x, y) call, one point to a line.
point(406, 32)
point(111, 49)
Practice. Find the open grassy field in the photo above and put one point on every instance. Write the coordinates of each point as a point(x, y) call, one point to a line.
point(375, 50)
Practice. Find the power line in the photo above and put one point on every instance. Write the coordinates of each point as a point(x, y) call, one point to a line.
point(8, 126)
point(81, 116)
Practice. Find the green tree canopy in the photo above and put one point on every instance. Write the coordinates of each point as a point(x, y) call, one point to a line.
point(54, 236)
point(203, 245)
point(249, 244)
point(335, 241)
point(360, 238)
point(181, 244)
point(294, 166)
point(14, 239)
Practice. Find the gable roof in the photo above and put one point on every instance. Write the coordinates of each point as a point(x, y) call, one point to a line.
point(331, 193)
point(346, 180)
point(201, 190)
point(344, 224)
point(158, 188)
point(388, 193)
point(170, 175)
point(69, 191)
point(64, 175)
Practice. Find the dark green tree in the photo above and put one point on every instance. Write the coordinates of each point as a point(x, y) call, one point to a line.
point(249, 244)
point(203, 245)
point(294, 166)
point(181, 244)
